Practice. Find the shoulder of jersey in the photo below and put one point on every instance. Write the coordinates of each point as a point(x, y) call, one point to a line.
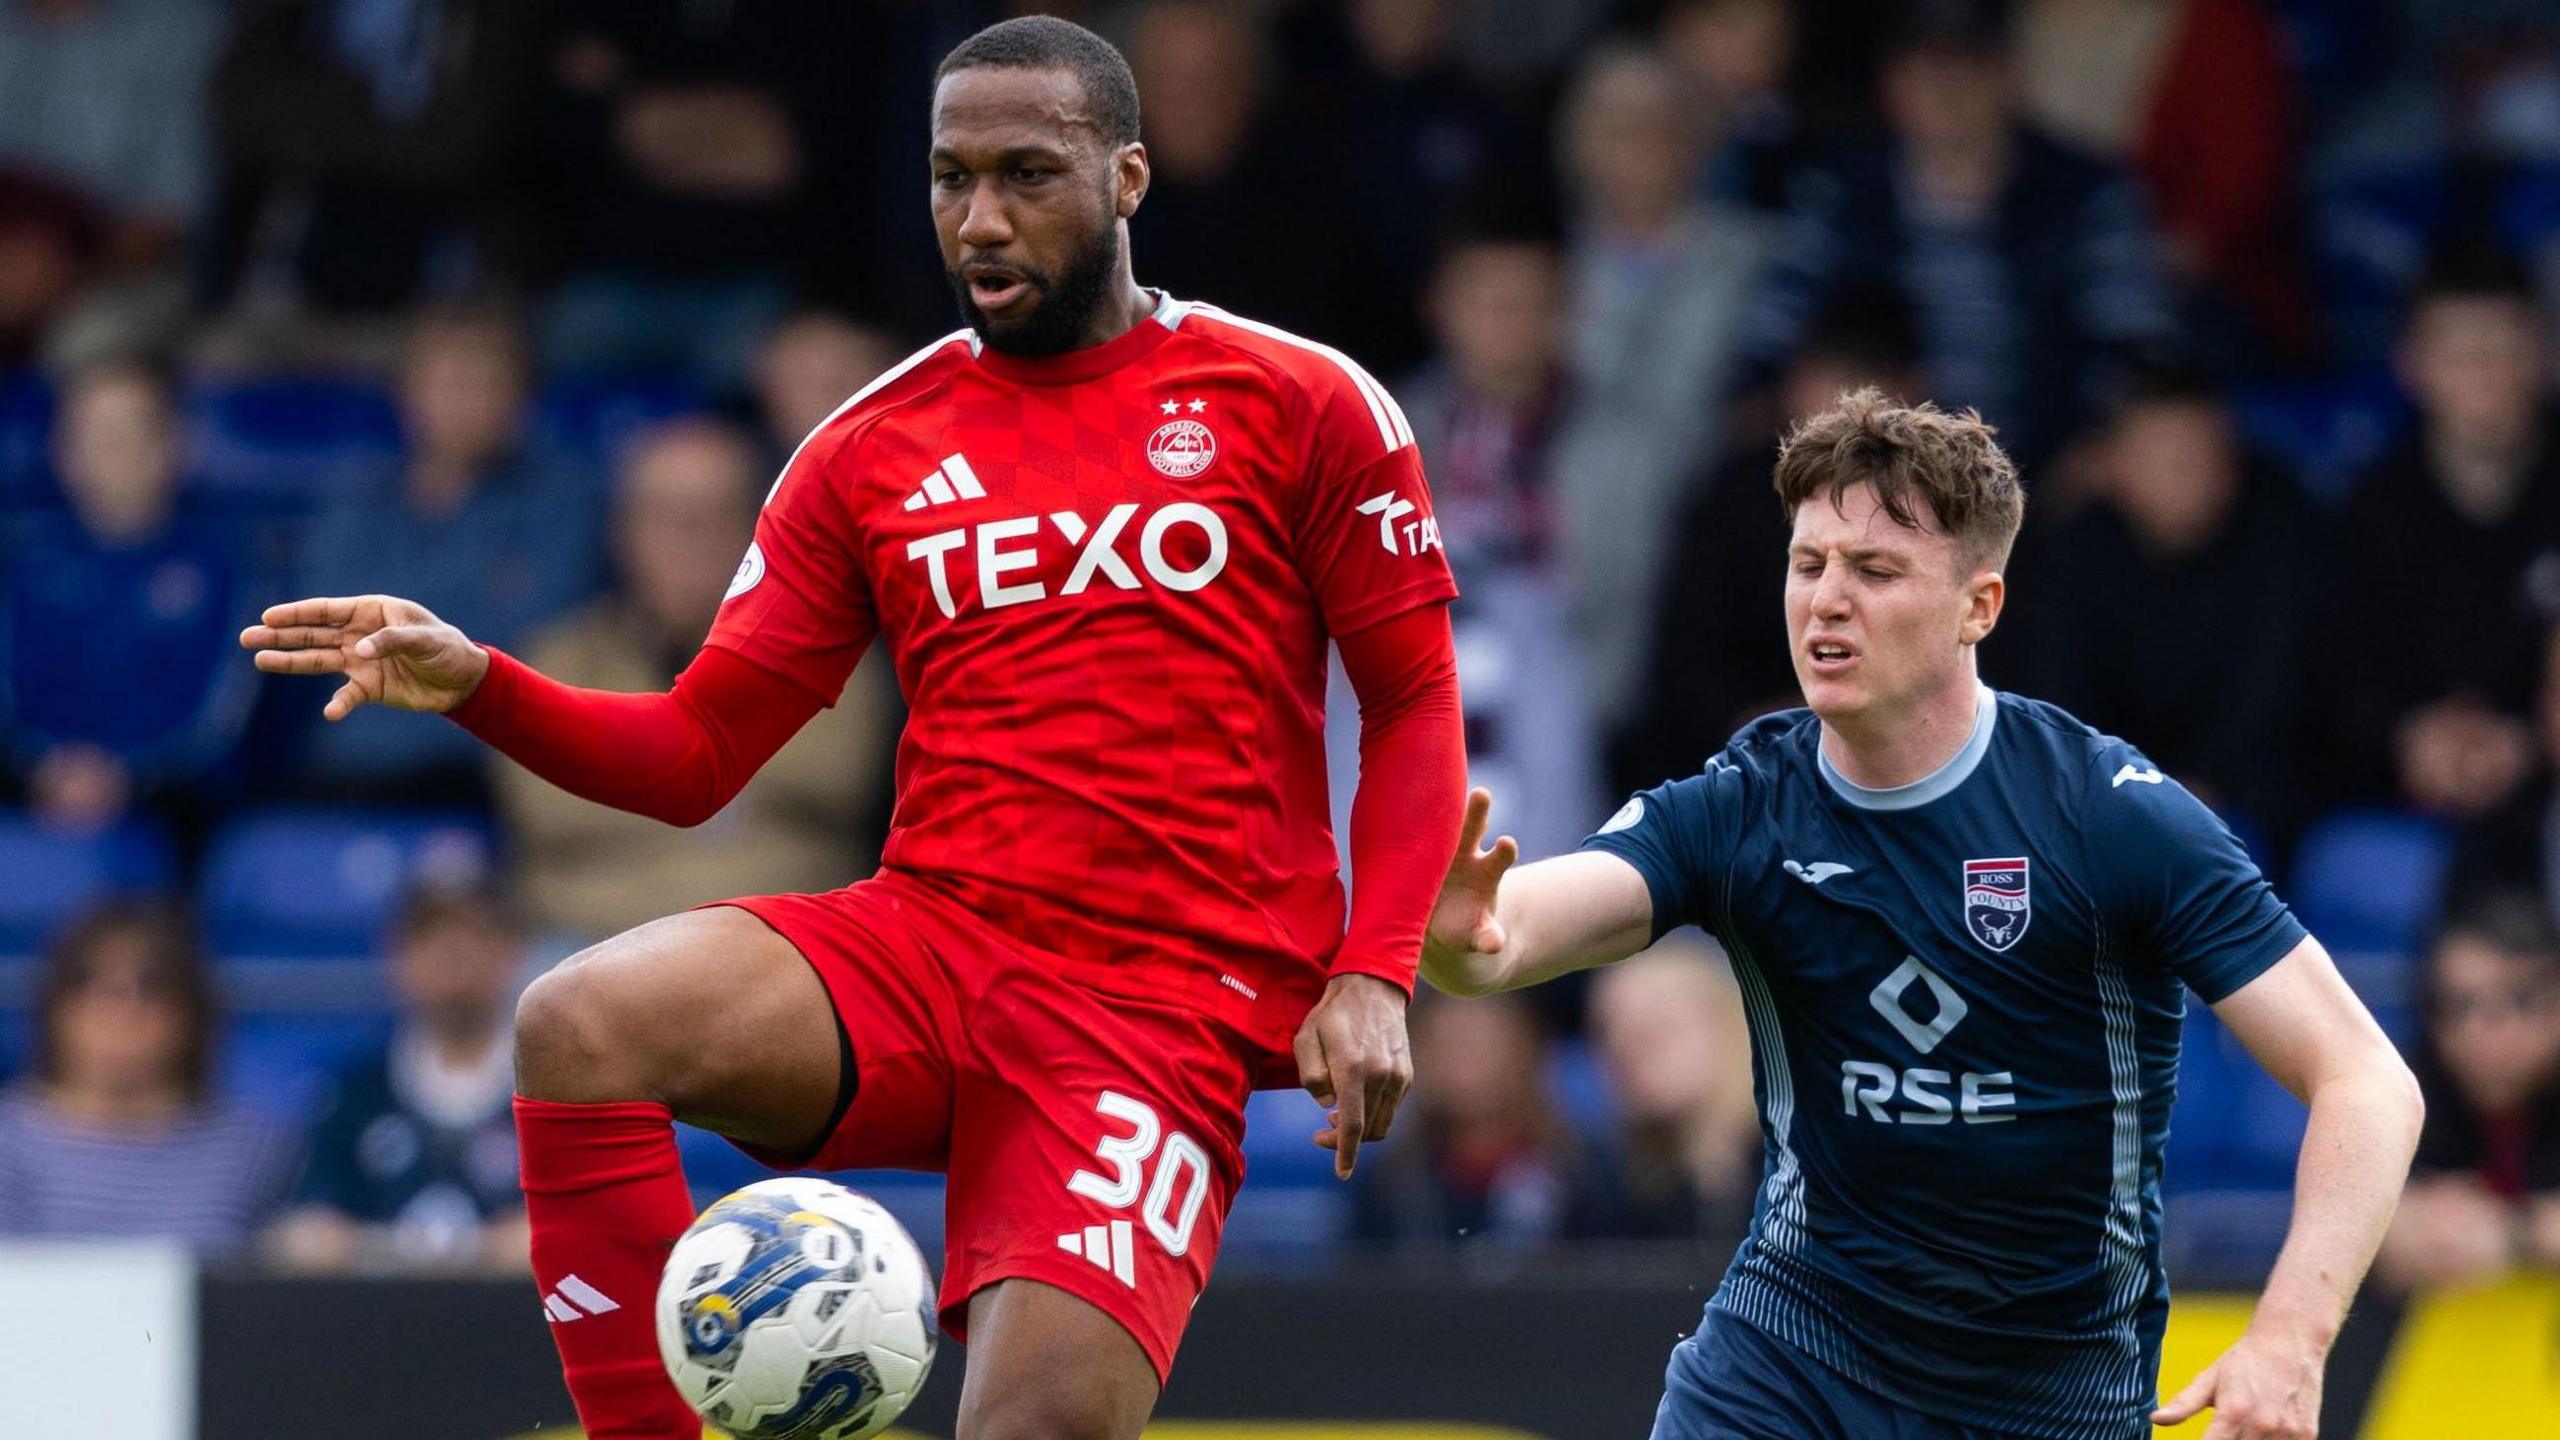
point(2079, 748)
point(1323, 374)
point(1766, 738)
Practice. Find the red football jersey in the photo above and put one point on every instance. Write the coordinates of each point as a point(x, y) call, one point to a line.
point(1106, 579)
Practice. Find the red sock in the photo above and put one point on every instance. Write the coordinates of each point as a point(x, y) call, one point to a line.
point(605, 1195)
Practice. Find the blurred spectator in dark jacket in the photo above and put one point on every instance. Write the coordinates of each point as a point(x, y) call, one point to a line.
point(811, 819)
point(52, 239)
point(689, 151)
point(472, 521)
point(2516, 846)
point(1482, 1160)
point(127, 569)
point(413, 1161)
point(2451, 560)
point(365, 140)
point(2176, 608)
point(805, 370)
point(2484, 1191)
point(1669, 1027)
point(115, 1130)
point(1739, 54)
point(1719, 654)
point(2029, 266)
point(1660, 284)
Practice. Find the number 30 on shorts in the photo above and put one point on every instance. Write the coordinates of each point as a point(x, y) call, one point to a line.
point(1180, 1164)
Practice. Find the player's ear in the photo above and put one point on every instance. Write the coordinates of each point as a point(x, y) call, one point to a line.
point(1130, 177)
point(1984, 596)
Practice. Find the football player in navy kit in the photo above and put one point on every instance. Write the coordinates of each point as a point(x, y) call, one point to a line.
point(1963, 923)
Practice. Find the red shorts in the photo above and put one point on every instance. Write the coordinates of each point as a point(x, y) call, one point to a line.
point(1092, 1142)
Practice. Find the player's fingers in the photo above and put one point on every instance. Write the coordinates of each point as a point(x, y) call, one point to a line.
point(1350, 1120)
point(2184, 1405)
point(400, 640)
point(1489, 937)
point(344, 703)
point(291, 637)
point(320, 610)
point(1325, 1137)
point(1312, 1073)
point(1471, 830)
point(1504, 854)
point(1386, 1092)
point(300, 662)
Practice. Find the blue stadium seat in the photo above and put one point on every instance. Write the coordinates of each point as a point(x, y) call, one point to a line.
point(595, 417)
point(713, 1167)
point(2370, 880)
point(1580, 1084)
point(1278, 1149)
point(323, 883)
point(282, 1065)
point(287, 440)
point(2234, 1127)
point(51, 874)
point(26, 436)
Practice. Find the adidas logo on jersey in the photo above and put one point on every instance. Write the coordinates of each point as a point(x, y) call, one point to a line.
point(1112, 1248)
point(951, 482)
point(575, 1299)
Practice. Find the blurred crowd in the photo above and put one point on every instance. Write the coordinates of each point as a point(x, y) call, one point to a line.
point(514, 308)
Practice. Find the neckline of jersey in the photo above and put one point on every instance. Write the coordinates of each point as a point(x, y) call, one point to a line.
point(1932, 786)
point(1130, 345)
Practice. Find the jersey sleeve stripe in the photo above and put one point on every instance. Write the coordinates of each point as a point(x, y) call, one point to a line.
point(880, 382)
point(1392, 431)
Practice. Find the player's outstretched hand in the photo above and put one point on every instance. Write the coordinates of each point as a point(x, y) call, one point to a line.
point(390, 652)
point(1463, 922)
point(1354, 1058)
point(2263, 1388)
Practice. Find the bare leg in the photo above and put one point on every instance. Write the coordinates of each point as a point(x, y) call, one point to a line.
point(1045, 1365)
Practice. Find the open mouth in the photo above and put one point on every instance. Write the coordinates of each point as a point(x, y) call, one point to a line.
point(1830, 657)
point(993, 287)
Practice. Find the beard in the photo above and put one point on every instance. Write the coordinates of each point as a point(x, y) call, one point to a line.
point(1064, 302)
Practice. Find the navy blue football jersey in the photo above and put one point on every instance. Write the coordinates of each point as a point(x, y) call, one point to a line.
point(1964, 997)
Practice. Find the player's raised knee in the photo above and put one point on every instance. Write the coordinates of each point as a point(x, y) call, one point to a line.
point(578, 1033)
point(1045, 1412)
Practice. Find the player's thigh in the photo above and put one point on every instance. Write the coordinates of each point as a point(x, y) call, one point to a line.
point(711, 1013)
point(1730, 1382)
point(1048, 1365)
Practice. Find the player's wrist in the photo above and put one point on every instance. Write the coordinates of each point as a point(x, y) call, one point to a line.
point(1388, 974)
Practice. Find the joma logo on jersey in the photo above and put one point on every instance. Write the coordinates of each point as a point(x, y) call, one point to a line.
point(1012, 546)
point(1995, 900)
point(1919, 1095)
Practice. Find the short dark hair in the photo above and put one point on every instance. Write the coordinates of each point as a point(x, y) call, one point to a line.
point(2510, 920)
point(170, 961)
point(2472, 268)
point(1045, 42)
point(2149, 380)
point(433, 904)
point(1908, 453)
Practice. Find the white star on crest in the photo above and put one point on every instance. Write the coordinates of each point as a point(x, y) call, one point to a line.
point(1173, 407)
point(1199, 405)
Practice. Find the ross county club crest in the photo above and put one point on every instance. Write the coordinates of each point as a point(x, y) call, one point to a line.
point(1181, 448)
point(1995, 901)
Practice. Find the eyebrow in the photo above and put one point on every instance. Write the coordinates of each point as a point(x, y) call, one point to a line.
point(1011, 154)
point(1855, 557)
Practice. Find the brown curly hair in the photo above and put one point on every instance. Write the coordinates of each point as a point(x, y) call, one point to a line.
point(1909, 454)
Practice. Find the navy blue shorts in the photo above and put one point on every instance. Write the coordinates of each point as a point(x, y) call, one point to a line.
point(1731, 1381)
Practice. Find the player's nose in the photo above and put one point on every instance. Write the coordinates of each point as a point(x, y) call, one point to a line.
point(984, 224)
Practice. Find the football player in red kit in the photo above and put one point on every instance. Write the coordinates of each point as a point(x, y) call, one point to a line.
point(1106, 535)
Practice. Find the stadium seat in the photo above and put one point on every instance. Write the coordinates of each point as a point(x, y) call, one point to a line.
point(593, 418)
point(287, 440)
point(282, 1065)
point(2233, 1127)
point(2370, 880)
point(1278, 1148)
point(295, 901)
point(1580, 1085)
point(51, 874)
point(26, 438)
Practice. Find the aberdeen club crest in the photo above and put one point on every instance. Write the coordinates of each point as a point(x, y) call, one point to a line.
point(1181, 448)
point(1995, 901)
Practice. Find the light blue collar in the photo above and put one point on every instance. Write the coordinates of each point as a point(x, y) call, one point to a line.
point(1938, 782)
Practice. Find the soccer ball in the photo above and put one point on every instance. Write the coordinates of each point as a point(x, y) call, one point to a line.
point(797, 1310)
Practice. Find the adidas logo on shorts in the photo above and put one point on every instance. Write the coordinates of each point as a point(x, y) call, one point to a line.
point(1112, 1247)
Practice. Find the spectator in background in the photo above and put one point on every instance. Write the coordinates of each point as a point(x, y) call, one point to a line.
point(1718, 658)
point(1221, 221)
point(805, 370)
point(413, 1161)
point(2451, 562)
point(1488, 410)
point(52, 240)
point(472, 521)
point(125, 571)
point(375, 131)
point(2028, 265)
point(1669, 1027)
point(1487, 1162)
point(2176, 609)
point(1659, 283)
point(1738, 54)
point(809, 820)
point(115, 1131)
point(688, 150)
point(106, 99)
point(2196, 97)
point(2516, 847)
point(2484, 1191)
